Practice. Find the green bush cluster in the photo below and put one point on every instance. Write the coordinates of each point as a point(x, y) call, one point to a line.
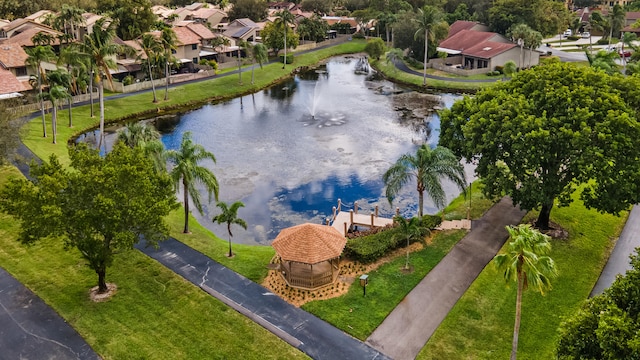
point(358, 35)
point(369, 248)
point(605, 41)
point(494, 73)
point(499, 69)
point(212, 63)
point(289, 58)
point(573, 37)
point(128, 80)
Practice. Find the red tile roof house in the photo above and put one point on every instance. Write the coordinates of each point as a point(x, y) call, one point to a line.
point(472, 52)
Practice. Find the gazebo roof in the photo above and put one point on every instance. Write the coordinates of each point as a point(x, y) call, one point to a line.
point(309, 243)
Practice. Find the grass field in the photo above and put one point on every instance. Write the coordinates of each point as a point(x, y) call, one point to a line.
point(480, 326)
point(155, 314)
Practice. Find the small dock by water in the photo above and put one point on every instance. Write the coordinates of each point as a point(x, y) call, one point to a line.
point(344, 221)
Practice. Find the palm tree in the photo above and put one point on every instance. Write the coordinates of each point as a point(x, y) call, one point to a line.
point(410, 230)
point(518, 33)
point(603, 60)
point(259, 55)
point(138, 134)
point(525, 261)
point(393, 56)
point(59, 82)
point(229, 216)
point(428, 17)
point(628, 38)
point(284, 18)
point(152, 49)
point(168, 40)
point(37, 55)
point(532, 40)
point(427, 167)
point(616, 19)
point(387, 19)
point(188, 171)
point(101, 47)
point(72, 57)
point(42, 38)
point(71, 16)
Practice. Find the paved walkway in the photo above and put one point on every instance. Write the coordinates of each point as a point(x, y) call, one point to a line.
point(406, 330)
point(313, 336)
point(30, 329)
point(618, 262)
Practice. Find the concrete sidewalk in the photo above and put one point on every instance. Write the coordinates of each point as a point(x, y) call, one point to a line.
point(618, 262)
point(313, 336)
point(30, 329)
point(410, 325)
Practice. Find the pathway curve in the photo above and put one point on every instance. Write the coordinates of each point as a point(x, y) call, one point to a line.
point(410, 325)
point(30, 329)
point(618, 262)
point(313, 336)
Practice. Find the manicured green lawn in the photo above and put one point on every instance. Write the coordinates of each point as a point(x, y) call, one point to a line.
point(392, 72)
point(155, 314)
point(458, 207)
point(480, 326)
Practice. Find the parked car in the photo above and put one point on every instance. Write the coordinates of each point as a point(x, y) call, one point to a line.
point(625, 53)
point(568, 32)
point(585, 35)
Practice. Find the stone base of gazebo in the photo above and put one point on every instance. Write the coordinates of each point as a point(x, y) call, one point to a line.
point(309, 276)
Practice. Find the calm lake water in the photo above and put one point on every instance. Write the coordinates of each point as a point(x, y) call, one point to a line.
point(288, 167)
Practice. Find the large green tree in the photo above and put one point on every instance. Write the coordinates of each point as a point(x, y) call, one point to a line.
point(255, 10)
point(546, 16)
point(134, 17)
point(186, 170)
point(525, 262)
point(229, 216)
point(549, 131)
point(314, 28)
point(427, 168)
point(102, 207)
point(607, 326)
point(273, 37)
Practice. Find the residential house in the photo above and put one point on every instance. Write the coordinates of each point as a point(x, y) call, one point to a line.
point(41, 16)
point(14, 59)
point(19, 25)
point(206, 37)
point(209, 16)
point(10, 86)
point(473, 52)
point(24, 38)
point(344, 23)
point(242, 30)
point(180, 14)
point(281, 5)
point(188, 48)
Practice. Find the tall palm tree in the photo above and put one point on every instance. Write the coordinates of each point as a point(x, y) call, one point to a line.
point(69, 17)
point(42, 38)
point(168, 39)
point(518, 33)
point(616, 19)
point(428, 18)
point(285, 18)
point(38, 55)
point(59, 82)
point(71, 56)
point(152, 49)
point(525, 262)
point(187, 170)
point(428, 168)
point(230, 216)
point(138, 134)
point(101, 47)
point(410, 230)
point(259, 55)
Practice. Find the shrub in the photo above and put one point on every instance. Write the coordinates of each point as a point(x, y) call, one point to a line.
point(375, 48)
point(499, 69)
point(203, 62)
point(368, 246)
point(289, 58)
point(603, 41)
point(573, 37)
point(358, 35)
point(213, 64)
point(128, 80)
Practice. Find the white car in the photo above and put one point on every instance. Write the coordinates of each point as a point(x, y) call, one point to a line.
point(585, 35)
point(568, 32)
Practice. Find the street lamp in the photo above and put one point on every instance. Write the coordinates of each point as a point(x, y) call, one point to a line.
point(364, 281)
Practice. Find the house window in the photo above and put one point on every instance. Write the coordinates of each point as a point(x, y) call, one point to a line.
point(194, 47)
point(482, 64)
point(195, 60)
point(21, 71)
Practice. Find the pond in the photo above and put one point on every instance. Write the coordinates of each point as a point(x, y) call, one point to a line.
point(291, 151)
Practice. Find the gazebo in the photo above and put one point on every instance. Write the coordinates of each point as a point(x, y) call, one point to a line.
point(310, 255)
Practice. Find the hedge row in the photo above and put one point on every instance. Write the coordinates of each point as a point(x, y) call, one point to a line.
point(374, 245)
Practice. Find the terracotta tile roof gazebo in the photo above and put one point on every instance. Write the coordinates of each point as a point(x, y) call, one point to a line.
point(310, 254)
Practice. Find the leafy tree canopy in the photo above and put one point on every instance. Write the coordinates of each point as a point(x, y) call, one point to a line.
point(549, 131)
point(255, 10)
point(314, 28)
point(101, 207)
point(375, 48)
point(546, 16)
point(607, 326)
point(134, 16)
point(273, 37)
